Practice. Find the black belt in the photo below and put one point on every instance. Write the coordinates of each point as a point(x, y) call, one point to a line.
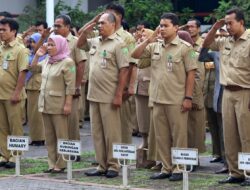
point(235, 88)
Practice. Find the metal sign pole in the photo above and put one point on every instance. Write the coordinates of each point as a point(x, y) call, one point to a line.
point(69, 166)
point(124, 173)
point(17, 158)
point(185, 175)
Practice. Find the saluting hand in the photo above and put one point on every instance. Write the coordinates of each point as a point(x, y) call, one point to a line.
point(41, 51)
point(154, 36)
point(47, 32)
point(220, 23)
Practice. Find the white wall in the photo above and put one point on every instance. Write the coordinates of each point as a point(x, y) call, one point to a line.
point(15, 6)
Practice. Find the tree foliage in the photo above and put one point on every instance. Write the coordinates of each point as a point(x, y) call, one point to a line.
point(224, 5)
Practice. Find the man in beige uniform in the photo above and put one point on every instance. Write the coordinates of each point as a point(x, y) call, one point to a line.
point(128, 111)
point(196, 117)
point(62, 27)
point(235, 76)
point(13, 66)
point(107, 79)
point(172, 76)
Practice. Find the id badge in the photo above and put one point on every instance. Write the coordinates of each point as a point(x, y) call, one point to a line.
point(104, 63)
point(5, 65)
point(169, 66)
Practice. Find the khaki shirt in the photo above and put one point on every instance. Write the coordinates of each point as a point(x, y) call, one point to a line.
point(198, 98)
point(14, 58)
point(169, 66)
point(58, 80)
point(235, 60)
point(75, 53)
point(198, 44)
point(106, 59)
point(129, 41)
point(143, 79)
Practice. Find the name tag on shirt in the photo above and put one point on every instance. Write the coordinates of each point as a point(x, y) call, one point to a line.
point(5, 65)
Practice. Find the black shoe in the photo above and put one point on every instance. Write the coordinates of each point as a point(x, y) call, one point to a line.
point(48, 170)
point(111, 174)
point(216, 159)
point(78, 158)
point(176, 177)
point(95, 173)
point(232, 180)
point(37, 143)
point(2, 164)
point(58, 171)
point(10, 165)
point(160, 176)
point(245, 183)
point(223, 170)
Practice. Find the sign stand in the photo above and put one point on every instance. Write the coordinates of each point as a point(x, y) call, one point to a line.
point(124, 173)
point(17, 157)
point(244, 164)
point(184, 156)
point(69, 149)
point(69, 166)
point(185, 175)
point(125, 152)
point(16, 145)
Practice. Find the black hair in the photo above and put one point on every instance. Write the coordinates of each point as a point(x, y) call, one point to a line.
point(197, 22)
point(144, 23)
point(6, 14)
point(125, 25)
point(45, 24)
point(66, 19)
point(12, 24)
point(171, 16)
point(239, 15)
point(117, 8)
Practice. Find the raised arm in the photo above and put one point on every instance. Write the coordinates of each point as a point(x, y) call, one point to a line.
point(212, 33)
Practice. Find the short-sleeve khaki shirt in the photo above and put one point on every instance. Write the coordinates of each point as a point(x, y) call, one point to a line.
point(58, 80)
point(75, 53)
point(198, 44)
point(107, 57)
point(14, 58)
point(169, 66)
point(235, 60)
point(129, 41)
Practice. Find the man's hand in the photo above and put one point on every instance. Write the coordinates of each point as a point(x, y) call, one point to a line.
point(47, 32)
point(154, 36)
point(117, 101)
point(219, 23)
point(15, 98)
point(67, 109)
point(41, 51)
point(186, 105)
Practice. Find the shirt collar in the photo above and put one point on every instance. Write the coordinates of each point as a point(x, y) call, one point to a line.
point(111, 37)
point(244, 36)
point(175, 41)
point(11, 44)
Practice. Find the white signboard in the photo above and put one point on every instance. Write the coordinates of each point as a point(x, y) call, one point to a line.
point(124, 151)
point(69, 147)
point(185, 156)
point(19, 143)
point(244, 161)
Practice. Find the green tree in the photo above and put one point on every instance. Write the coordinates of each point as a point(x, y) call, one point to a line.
point(145, 10)
point(224, 5)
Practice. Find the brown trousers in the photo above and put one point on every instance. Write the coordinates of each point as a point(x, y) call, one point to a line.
point(74, 131)
point(35, 121)
point(197, 130)
point(106, 130)
point(142, 113)
point(56, 127)
point(170, 131)
point(236, 119)
point(82, 103)
point(10, 124)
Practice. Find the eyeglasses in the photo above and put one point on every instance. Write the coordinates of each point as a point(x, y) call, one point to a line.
point(57, 26)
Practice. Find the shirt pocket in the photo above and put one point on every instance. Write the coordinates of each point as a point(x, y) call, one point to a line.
point(56, 98)
point(105, 59)
point(11, 63)
point(156, 57)
point(243, 58)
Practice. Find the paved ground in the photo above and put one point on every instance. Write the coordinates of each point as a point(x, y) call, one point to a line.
point(40, 182)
